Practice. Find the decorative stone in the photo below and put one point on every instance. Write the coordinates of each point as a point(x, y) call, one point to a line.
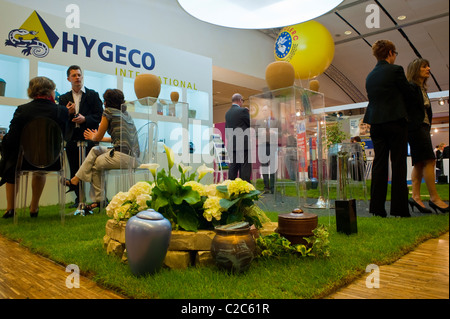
point(106, 240)
point(268, 228)
point(204, 258)
point(177, 259)
point(183, 240)
point(115, 248)
point(116, 230)
point(185, 248)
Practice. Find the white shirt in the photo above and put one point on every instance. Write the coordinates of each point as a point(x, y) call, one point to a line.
point(77, 100)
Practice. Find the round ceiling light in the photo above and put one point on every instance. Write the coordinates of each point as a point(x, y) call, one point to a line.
point(257, 14)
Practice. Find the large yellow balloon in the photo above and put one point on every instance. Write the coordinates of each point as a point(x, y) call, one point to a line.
point(308, 46)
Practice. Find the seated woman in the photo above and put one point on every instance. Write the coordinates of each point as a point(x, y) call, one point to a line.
point(120, 126)
point(42, 91)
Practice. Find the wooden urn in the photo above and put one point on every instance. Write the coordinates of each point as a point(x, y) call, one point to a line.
point(280, 74)
point(297, 225)
point(147, 85)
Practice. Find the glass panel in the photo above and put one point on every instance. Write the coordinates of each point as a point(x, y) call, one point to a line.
point(58, 73)
point(7, 112)
point(287, 143)
point(198, 104)
point(15, 74)
point(172, 122)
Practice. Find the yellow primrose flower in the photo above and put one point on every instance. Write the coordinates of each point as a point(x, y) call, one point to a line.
point(141, 200)
point(211, 190)
point(170, 156)
point(116, 202)
point(138, 189)
point(203, 170)
point(196, 186)
point(152, 167)
point(239, 186)
point(212, 208)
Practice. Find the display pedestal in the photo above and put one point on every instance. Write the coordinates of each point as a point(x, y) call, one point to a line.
point(346, 216)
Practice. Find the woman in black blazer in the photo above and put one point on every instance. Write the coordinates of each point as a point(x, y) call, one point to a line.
point(387, 89)
point(420, 117)
point(42, 91)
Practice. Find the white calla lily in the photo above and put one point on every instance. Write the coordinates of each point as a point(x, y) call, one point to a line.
point(152, 167)
point(170, 156)
point(203, 170)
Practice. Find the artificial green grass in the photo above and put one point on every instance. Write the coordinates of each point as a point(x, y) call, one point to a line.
point(442, 189)
point(80, 241)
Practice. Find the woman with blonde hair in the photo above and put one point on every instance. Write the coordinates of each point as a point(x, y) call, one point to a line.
point(419, 125)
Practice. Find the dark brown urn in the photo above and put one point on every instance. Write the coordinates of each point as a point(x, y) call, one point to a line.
point(297, 225)
point(233, 247)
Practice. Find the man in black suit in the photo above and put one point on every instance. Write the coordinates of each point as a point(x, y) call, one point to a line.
point(388, 89)
point(85, 111)
point(237, 133)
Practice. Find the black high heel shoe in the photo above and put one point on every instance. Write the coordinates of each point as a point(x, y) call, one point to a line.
point(89, 208)
point(421, 209)
point(438, 209)
point(9, 214)
point(34, 214)
point(72, 187)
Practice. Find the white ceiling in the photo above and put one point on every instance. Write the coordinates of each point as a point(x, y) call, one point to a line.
point(424, 32)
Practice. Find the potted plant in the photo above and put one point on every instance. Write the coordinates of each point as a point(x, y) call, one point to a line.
point(185, 202)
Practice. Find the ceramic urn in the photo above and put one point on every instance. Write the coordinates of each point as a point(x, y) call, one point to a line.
point(147, 238)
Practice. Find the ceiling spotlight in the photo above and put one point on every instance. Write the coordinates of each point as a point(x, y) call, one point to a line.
point(436, 130)
point(441, 101)
point(348, 32)
point(401, 18)
point(257, 14)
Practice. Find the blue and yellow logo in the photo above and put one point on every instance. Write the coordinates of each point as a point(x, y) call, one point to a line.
point(283, 45)
point(34, 35)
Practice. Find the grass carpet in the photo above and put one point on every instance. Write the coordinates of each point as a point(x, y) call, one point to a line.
point(378, 241)
point(442, 189)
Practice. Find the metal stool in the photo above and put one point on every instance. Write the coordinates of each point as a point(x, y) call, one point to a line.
point(81, 209)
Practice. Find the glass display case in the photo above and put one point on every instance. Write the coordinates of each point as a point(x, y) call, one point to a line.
point(287, 134)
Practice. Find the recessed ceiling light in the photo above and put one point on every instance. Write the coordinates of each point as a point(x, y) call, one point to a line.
point(257, 14)
point(348, 32)
point(402, 17)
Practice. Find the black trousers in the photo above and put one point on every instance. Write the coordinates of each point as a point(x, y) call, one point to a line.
point(269, 171)
point(240, 165)
point(389, 139)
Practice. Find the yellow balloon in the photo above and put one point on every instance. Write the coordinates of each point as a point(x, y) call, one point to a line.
point(308, 46)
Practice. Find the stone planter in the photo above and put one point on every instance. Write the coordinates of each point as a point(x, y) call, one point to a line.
point(185, 248)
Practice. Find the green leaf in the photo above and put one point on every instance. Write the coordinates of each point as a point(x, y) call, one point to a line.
point(222, 188)
point(187, 218)
point(226, 203)
point(160, 202)
point(186, 194)
point(236, 217)
point(171, 184)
